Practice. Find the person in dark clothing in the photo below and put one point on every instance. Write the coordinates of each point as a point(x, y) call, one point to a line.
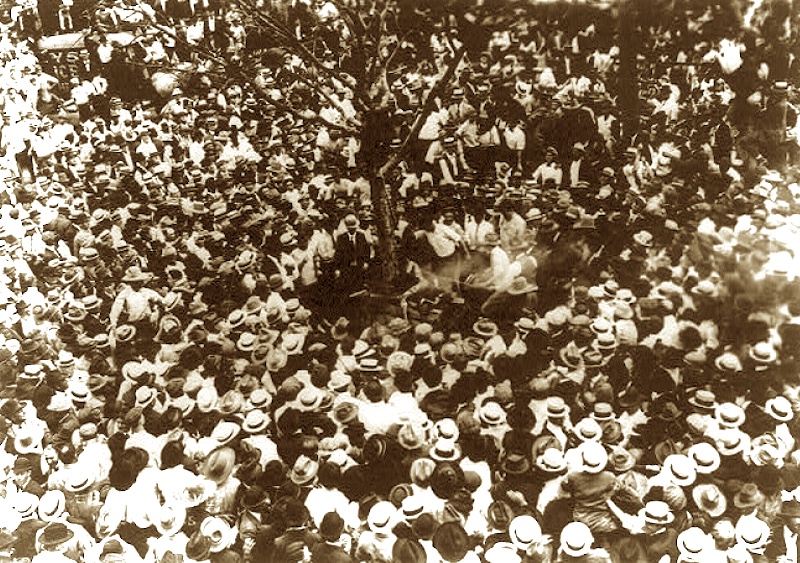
point(352, 256)
point(329, 550)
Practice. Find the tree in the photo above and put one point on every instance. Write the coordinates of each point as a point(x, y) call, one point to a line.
point(357, 47)
point(360, 47)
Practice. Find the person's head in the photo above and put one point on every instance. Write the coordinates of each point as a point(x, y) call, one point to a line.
point(351, 222)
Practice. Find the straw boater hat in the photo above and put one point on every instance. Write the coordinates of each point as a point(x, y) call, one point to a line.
point(731, 442)
point(255, 422)
point(705, 457)
point(593, 457)
point(381, 517)
point(680, 469)
point(576, 539)
point(704, 400)
point(657, 512)
point(779, 408)
point(445, 450)
point(524, 532)
point(729, 415)
point(52, 505)
point(752, 532)
point(693, 545)
point(763, 353)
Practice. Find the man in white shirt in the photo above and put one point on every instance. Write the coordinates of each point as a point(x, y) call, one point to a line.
point(136, 303)
point(549, 172)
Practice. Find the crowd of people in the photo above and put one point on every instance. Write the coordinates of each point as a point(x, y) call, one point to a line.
point(594, 357)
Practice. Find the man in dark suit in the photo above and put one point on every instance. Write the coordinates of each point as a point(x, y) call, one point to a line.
point(352, 254)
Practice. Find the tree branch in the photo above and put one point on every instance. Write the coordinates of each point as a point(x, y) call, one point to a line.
point(424, 112)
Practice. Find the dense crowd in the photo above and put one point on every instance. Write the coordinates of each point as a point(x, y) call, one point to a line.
point(595, 356)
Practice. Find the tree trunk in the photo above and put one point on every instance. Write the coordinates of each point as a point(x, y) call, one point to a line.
point(628, 86)
point(386, 222)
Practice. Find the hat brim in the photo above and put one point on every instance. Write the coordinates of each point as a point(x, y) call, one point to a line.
point(143, 277)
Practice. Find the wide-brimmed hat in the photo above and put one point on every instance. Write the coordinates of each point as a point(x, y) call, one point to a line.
point(644, 238)
point(576, 539)
point(705, 457)
point(621, 460)
point(309, 398)
point(484, 328)
point(728, 362)
point(55, 534)
point(571, 355)
point(369, 364)
point(524, 532)
point(680, 469)
point(602, 412)
point(255, 421)
point(499, 515)
point(28, 439)
point(447, 429)
point(51, 505)
point(25, 504)
point(135, 274)
point(219, 533)
point(169, 518)
point(124, 333)
point(791, 508)
point(515, 463)
point(277, 359)
point(692, 545)
point(779, 408)
point(79, 481)
point(218, 466)
point(247, 342)
point(748, 497)
point(502, 552)
point(225, 432)
point(259, 399)
point(382, 517)
point(520, 286)
point(345, 412)
point(145, 396)
point(398, 326)
point(411, 436)
point(709, 498)
point(76, 313)
point(304, 470)
point(198, 548)
point(331, 526)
